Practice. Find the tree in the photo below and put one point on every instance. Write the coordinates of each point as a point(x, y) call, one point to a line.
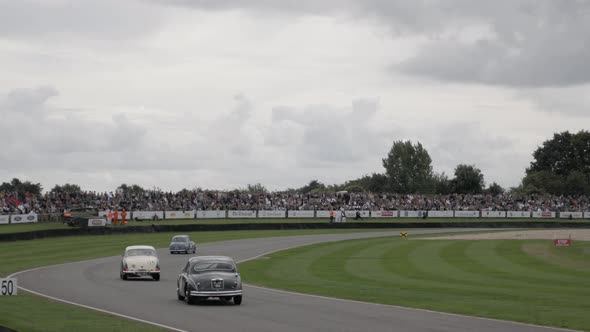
point(561, 165)
point(133, 189)
point(408, 168)
point(67, 188)
point(468, 180)
point(312, 185)
point(495, 189)
point(22, 188)
point(256, 188)
point(441, 183)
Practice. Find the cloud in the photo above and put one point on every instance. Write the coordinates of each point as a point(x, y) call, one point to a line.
point(525, 43)
point(572, 101)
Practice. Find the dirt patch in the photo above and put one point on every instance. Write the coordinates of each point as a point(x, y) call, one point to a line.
point(576, 234)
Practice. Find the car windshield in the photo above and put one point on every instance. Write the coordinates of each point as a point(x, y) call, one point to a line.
point(140, 252)
point(208, 266)
point(180, 239)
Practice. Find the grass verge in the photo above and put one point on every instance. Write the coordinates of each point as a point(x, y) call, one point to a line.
point(525, 281)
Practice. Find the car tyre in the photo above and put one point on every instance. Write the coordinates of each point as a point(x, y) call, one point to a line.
point(124, 276)
point(156, 276)
point(180, 297)
point(238, 299)
point(187, 296)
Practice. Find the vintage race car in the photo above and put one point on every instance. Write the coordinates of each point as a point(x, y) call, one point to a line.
point(204, 277)
point(140, 261)
point(182, 243)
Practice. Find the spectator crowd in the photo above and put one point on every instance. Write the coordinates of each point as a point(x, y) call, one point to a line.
point(156, 200)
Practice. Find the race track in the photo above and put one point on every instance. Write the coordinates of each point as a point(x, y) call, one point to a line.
point(96, 284)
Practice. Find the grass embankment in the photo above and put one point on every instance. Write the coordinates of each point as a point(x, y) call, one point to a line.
point(16, 228)
point(26, 312)
point(525, 281)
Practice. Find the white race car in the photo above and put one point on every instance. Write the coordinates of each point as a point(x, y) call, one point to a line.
point(140, 261)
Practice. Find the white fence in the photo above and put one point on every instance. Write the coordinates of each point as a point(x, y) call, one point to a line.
point(493, 214)
point(250, 214)
point(301, 214)
point(466, 214)
point(411, 214)
point(572, 215)
point(272, 214)
point(440, 214)
point(23, 218)
point(4, 219)
point(384, 214)
point(518, 214)
point(179, 215)
point(147, 215)
point(543, 214)
point(216, 214)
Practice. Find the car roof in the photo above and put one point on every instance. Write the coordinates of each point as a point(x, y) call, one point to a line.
point(180, 236)
point(221, 258)
point(139, 247)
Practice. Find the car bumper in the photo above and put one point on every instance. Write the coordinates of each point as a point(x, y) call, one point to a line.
point(141, 273)
point(216, 293)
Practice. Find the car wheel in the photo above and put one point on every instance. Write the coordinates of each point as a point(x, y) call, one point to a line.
point(156, 276)
point(238, 299)
point(124, 276)
point(180, 297)
point(187, 295)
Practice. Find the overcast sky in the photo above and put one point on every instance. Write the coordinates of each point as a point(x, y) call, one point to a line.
point(222, 93)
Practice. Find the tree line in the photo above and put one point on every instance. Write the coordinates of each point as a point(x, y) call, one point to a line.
point(560, 166)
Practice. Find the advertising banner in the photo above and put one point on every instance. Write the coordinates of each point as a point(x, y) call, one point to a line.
point(587, 215)
point(272, 214)
point(97, 222)
point(562, 242)
point(102, 213)
point(4, 219)
point(466, 214)
point(411, 214)
point(573, 215)
point(543, 214)
point(147, 215)
point(352, 214)
point(493, 214)
point(440, 214)
point(384, 214)
point(518, 214)
point(324, 213)
point(301, 213)
point(241, 214)
point(179, 215)
point(23, 218)
point(216, 214)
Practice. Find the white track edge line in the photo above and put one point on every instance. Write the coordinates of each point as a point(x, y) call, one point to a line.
point(102, 310)
point(389, 305)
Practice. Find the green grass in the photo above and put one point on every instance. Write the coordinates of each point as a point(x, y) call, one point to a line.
point(16, 228)
point(525, 281)
point(16, 312)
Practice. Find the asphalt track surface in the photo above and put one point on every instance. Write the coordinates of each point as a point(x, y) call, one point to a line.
point(96, 284)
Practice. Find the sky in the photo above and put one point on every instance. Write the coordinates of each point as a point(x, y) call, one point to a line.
point(218, 94)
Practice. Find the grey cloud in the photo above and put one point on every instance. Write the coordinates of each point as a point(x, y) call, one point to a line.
point(88, 21)
point(527, 43)
point(573, 101)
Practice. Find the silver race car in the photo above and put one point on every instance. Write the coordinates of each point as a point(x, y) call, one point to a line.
point(182, 243)
point(206, 277)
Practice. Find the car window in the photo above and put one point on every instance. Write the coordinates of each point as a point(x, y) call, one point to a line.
point(140, 252)
point(207, 266)
point(180, 239)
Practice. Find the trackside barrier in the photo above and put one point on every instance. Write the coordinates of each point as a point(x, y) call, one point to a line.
point(23, 218)
point(352, 214)
point(207, 214)
point(572, 215)
point(250, 214)
point(543, 214)
point(518, 214)
point(4, 219)
point(324, 213)
point(384, 214)
point(412, 214)
point(272, 214)
point(147, 215)
point(466, 214)
point(493, 214)
point(440, 214)
point(587, 215)
point(301, 214)
point(179, 215)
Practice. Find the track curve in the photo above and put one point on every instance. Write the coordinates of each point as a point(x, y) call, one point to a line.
point(96, 284)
